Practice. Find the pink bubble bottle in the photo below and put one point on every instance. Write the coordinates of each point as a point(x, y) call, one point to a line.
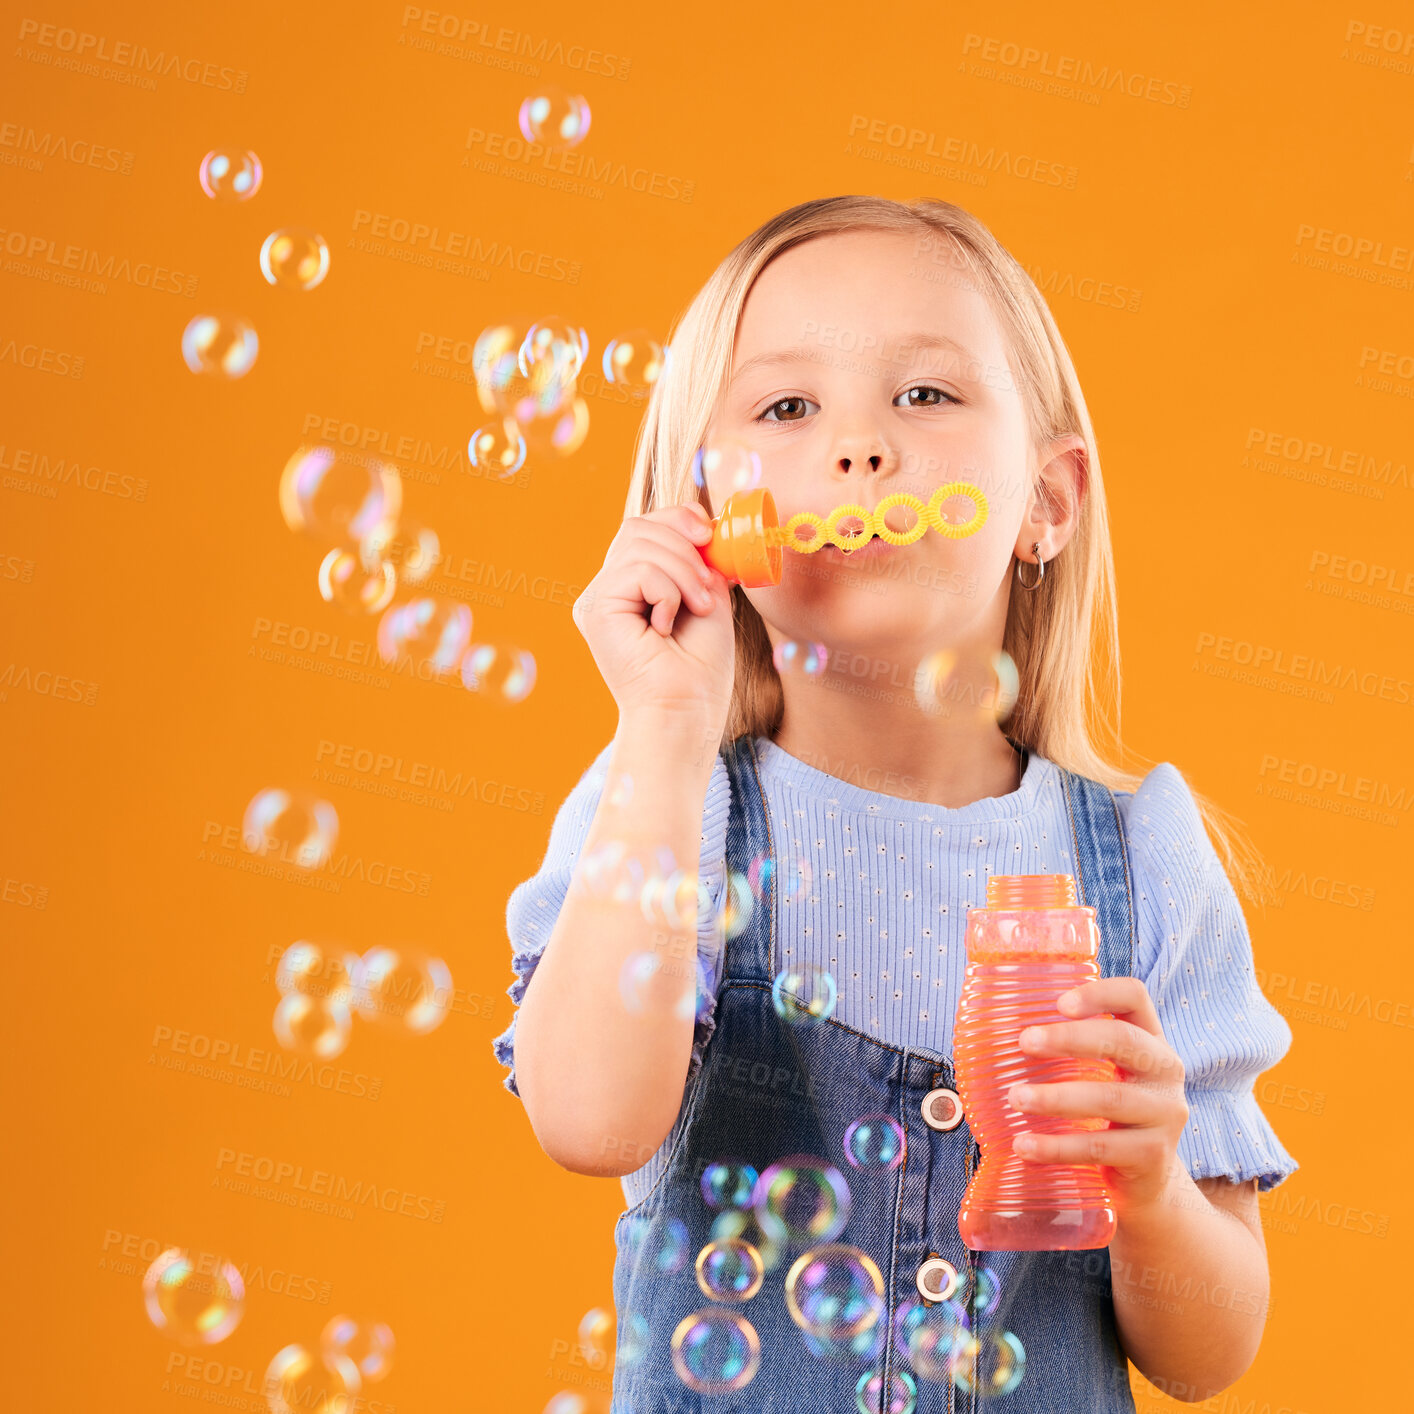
point(1027, 946)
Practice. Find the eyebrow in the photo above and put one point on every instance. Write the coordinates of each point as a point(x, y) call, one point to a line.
point(909, 345)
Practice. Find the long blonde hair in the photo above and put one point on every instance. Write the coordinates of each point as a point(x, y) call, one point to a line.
point(1067, 709)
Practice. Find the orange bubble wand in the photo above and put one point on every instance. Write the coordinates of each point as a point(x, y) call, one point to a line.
point(748, 538)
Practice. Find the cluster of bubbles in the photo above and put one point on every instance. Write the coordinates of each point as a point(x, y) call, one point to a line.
point(222, 344)
point(402, 989)
point(351, 1354)
point(597, 1338)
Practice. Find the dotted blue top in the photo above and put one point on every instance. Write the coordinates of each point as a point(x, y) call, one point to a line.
point(885, 910)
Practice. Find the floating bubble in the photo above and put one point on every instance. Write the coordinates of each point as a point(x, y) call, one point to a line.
point(932, 677)
point(1000, 1363)
point(294, 258)
point(306, 967)
point(498, 672)
point(633, 1340)
point(727, 1184)
point(1008, 688)
point(296, 827)
point(368, 1344)
point(339, 496)
point(802, 1200)
point(404, 989)
point(835, 1291)
point(741, 1223)
point(230, 175)
point(413, 551)
point(349, 582)
point(572, 1402)
point(663, 891)
point(561, 345)
point(730, 1270)
point(932, 1337)
point(793, 878)
point(633, 360)
point(804, 996)
point(804, 660)
point(222, 345)
point(874, 1142)
point(729, 461)
point(862, 1349)
point(298, 1382)
point(313, 1026)
point(901, 1397)
point(638, 970)
point(716, 1351)
point(554, 117)
point(982, 1298)
point(432, 633)
point(495, 363)
point(196, 1304)
point(738, 905)
point(498, 448)
point(663, 1244)
point(597, 1328)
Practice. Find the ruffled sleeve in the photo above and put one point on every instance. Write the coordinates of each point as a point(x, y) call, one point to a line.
point(1195, 959)
point(535, 904)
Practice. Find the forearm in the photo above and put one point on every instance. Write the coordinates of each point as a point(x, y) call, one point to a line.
point(601, 1081)
point(1190, 1285)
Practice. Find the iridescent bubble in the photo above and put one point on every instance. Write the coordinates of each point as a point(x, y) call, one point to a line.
point(308, 968)
point(554, 117)
point(569, 1401)
point(638, 970)
point(874, 1142)
point(230, 175)
point(403, 988)
point(716, 1351)
point(294, 258)
point(597, 1329)
point(298, 1382)
point(296, 827)
point(804, 996)
point(932, 1337)
point(556, 342)
point(313, 1026)
point(662, 1243)
point(354, 586)
point(801, 1200)
point(741, 1223)
point(727, 1184)
point(862, 1349)
point(739, 904)
point(432, 633)
point(633, 1340)
point(495, 362)
point(805, 660)
point(499, 672)
point(194, 1303)
point(412, 550)
point(932, 677)
point(558, 432)
point(835, 1291)
point(498, 448)
point(730, 1270)
point(1008, 688)
point(337, 496)
point(1000, 1362)
point(223, 345)
point(793, 878)
point(728, 461)
point(901, 1397)
point(633, 360)
point(368, 1344)
point(982, 1298)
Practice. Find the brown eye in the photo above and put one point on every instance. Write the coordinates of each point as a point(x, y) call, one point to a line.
point(799, 403)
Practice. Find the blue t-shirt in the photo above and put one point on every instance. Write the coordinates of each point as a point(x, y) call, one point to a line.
point(880, 901)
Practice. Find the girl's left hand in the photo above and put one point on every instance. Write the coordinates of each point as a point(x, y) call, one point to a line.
point(1144, 1105)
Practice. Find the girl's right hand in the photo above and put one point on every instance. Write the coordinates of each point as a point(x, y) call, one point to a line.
point(627, 611)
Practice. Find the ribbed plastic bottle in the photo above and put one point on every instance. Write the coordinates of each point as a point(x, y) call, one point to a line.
point(1028, 945)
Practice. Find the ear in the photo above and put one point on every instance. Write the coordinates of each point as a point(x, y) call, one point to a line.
point(1053, 510)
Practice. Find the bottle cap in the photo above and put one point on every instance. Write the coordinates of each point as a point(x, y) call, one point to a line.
point(1030, 891)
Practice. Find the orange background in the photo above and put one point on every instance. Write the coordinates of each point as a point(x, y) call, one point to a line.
point(1239, 333)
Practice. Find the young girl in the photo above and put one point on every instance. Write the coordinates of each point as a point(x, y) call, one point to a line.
point(775, 760)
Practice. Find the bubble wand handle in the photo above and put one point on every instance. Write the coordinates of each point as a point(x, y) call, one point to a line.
point(748, 538)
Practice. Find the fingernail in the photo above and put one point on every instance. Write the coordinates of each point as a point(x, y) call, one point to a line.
point(1067, 1001)
point(1019, 1094)
point(1031, 1036)
point(1022, 1143)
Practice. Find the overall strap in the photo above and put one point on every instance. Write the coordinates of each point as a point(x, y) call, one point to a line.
point(1102, 874)
point(750, 956)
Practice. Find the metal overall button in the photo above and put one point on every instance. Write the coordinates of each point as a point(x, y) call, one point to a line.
point(942, 1109)
point(937, 1279)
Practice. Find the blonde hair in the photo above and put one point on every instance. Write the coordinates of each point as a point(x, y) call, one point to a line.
point(1054, 634)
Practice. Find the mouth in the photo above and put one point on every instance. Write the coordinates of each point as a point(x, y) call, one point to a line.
point(869, 549)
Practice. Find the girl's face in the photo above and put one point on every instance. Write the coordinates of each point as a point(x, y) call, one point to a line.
point(867, 363)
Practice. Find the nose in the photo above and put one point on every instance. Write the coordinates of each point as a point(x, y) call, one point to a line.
point(863, 454)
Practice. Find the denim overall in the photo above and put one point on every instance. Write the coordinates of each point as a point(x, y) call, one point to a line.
point(768, 1090)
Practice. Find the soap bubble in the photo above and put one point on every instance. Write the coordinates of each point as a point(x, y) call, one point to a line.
point(738, 905)
point(633, 1340)
point(862, 1349)
point(230, 175)
point(337, 496)
point(193, 1306)
point(806, 660)
point(982, 1298)
point(730, 462)
point(639, 968)
point(634, 360)
point(804, 996)
point(716, 1351)
point(368, 1344)
point(801, 1199)
point(661, 1243)
point(561, 346)
point(597, 1329)
point(404, 989)
point(296, 827)
point(313, 1026)
point(729, 1270)
point(495, 363)
point(223, 345)
point(498, 447)
point(728, 1183)
point(793, 879)
point(353, 585)
point(298, 1382)
point(432, 633)
point(874, 1142)
point(902, 1397)
point(412, 550)
point(498, 672)
point(932, 1337)
point(1000, 1362)
point(1008, 688)
point(294, 258)
point(306, 967)
point(554, 117)
point(835, 1291)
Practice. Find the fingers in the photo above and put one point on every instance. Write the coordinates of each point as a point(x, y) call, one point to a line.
point(1129, 1047)
point(1120, 1102)
point(690, 520)
point(1122, 996)
point(657, 587)
point(1131, 1151)
point(667, 544)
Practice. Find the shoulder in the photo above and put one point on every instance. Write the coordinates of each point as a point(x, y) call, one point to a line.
point(1163, 821)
